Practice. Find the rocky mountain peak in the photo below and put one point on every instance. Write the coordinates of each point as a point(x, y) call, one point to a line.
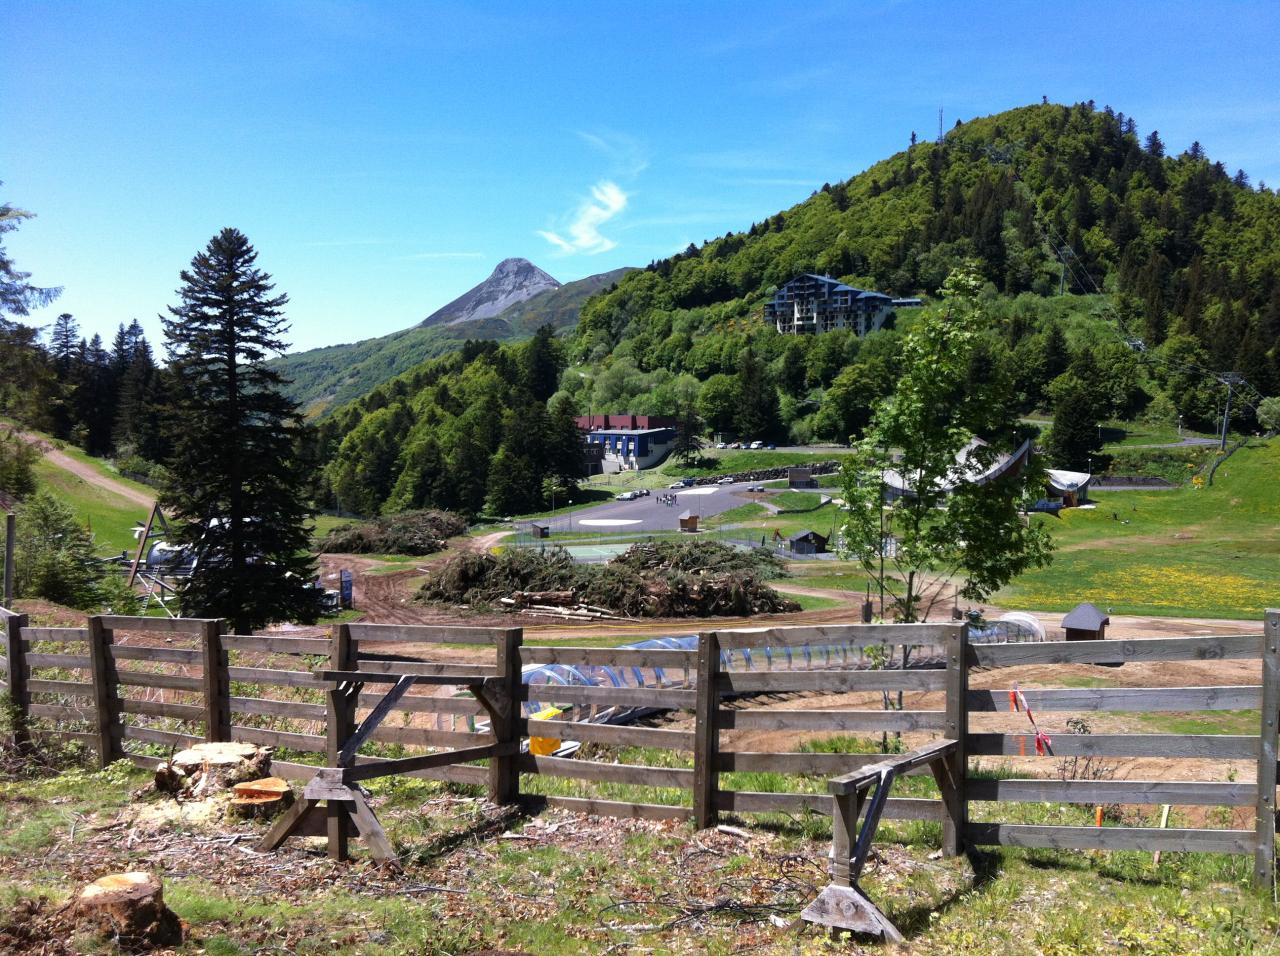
point(512, 281)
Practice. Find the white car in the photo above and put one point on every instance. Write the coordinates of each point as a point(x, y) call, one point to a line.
point(721, 444)
point(625, 496)
point(757, 444)
point(725, 481)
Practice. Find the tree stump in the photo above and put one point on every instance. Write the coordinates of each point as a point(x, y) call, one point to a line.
point(260, 799)
point(129, 908)
point(210, 768)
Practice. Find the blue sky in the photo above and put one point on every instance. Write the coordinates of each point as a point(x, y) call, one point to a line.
point(383, 157)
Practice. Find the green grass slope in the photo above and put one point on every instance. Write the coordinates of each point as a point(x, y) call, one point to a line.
point(325, 378)
point(108, 516)
point(1193, 552)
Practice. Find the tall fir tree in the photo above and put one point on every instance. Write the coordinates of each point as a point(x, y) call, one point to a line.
point(235, 483)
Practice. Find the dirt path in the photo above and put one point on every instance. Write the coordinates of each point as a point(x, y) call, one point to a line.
point(86, 473)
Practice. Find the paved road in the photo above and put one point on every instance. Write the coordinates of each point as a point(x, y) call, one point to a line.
point(649, 514)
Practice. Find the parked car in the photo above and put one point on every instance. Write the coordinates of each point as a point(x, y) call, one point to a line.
point(756, 488)
point(757, 445)
point(681, 483)
point(772, 447)
point(641, 492)
point(736, 444)
point(725, 481)
point(721, 445)
point(625, 496)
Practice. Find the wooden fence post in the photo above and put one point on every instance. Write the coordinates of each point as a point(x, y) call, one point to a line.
point(951, 772)
point(504, 775)
point(105, 697)
point(217, 685)
point(706, 732)
point(340, 725)
point(10, 544)
point(16, 660)
point(1264, 851)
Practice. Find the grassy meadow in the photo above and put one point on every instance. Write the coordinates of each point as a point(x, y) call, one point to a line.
point(1190, 552)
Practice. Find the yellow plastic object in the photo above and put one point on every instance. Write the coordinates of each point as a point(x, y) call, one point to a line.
point(544, 746)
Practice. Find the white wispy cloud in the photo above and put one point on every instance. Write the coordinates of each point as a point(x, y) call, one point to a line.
point(583, 231)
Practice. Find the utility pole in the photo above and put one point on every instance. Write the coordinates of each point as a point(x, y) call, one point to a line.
point(1230, 380)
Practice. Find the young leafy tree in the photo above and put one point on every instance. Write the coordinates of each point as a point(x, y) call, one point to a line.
point(235, 484)
point(1269, 414)
point(973, 535)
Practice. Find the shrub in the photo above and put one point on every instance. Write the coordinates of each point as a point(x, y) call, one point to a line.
point(409, 532)
point(17, 461)
point(54, 556)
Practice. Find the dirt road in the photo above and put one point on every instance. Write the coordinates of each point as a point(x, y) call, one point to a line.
point(86, 473)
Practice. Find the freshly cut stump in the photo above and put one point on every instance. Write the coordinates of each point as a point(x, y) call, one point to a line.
point(129, 908)
point(260, 799)
point(212, 767)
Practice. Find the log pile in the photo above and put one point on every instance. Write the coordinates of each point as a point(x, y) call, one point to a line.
point(205, 769)
point(128, 909)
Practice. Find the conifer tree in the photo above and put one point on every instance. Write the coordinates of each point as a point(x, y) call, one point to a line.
point(235, 483)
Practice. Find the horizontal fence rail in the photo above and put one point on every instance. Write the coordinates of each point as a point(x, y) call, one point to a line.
point(132, 687)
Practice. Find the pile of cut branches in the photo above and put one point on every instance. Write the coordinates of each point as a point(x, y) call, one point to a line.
point(409, 532)
point(654, 579)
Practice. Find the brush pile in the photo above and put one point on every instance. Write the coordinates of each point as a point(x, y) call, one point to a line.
point(652, 579)
point(409, 532)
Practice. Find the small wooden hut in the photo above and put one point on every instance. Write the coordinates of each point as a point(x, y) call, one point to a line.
point(1086, 623)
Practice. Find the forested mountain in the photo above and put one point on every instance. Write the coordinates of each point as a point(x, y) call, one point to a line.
point(323, 378)
point(1088, 238)
point(1189, 252)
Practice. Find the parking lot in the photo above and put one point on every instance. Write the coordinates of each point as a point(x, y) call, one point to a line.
point(649, 513)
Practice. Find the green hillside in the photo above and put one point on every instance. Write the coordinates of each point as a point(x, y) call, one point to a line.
point(1172, 250)
point(1202, 552)
point(1187, 250)
point(331, 376)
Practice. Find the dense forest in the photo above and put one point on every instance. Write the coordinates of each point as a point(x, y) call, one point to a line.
point(478, 430)
point(1043, 198)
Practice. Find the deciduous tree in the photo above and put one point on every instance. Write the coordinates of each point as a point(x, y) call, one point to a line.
point(947, 529)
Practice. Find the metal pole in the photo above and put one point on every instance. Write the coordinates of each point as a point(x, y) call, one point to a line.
point(10, 542)
point(1226, 417)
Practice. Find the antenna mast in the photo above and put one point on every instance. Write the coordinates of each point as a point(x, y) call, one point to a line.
point(939, 124)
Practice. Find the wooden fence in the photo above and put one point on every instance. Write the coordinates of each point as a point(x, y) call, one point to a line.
point(169, 683)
